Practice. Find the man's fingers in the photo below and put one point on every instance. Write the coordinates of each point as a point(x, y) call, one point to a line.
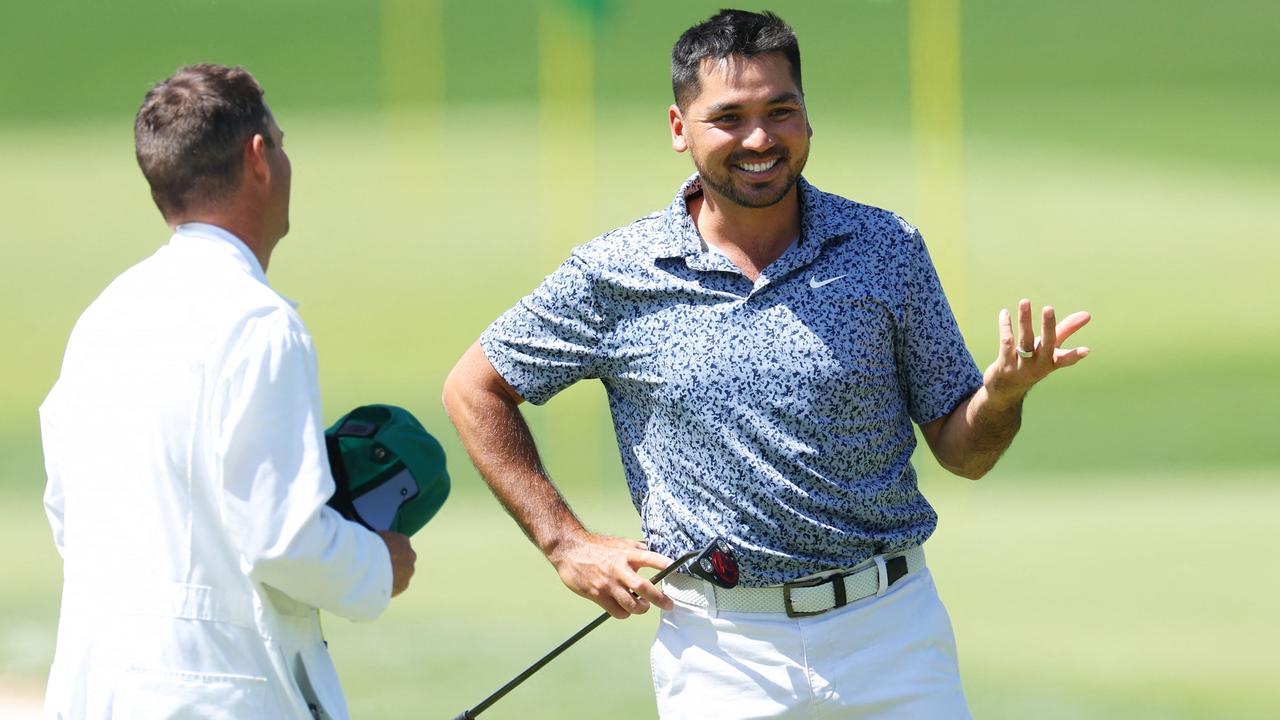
point(1072, 323)
point(1026, 336)
point(649, 559)
point(1006, 335)
point(603, 569)
point(641, 586)
point(1048, 330)
point(611, 606)
point(403, 560)
point(630, 600)
point(1067, 358)
point(651, 593)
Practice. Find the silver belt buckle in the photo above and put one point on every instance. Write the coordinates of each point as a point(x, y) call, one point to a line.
point(835, 577)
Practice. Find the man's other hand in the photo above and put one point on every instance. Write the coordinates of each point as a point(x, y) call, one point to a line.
point(402, 560)
point(603, 569)
point(1027, 360)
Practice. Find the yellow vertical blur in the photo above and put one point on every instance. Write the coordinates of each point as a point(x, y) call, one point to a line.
point(938, 133)
point(937, 114)
point(413, 84)
point(566, 105)
point(412, 54)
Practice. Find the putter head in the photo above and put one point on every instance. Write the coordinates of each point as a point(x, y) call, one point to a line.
point(716, 564)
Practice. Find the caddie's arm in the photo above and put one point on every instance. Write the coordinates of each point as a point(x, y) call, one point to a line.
point(484, 409)
point(970, 439)
point(276, 480)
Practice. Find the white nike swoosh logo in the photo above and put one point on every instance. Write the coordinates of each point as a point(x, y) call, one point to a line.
point(815, 283)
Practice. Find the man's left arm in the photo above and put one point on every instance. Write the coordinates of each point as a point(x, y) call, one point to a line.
point(968, 440)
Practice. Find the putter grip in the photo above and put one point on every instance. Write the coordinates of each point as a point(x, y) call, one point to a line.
point(464, 715)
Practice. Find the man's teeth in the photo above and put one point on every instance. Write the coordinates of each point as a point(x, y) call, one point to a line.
point(758, 167)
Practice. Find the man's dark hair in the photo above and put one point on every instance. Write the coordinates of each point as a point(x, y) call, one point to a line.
point(729, 32)
point(190, 133)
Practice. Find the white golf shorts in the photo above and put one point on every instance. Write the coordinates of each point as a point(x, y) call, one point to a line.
point(891, 656)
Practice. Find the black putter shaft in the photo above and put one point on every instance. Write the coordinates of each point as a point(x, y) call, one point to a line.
point(500, 692)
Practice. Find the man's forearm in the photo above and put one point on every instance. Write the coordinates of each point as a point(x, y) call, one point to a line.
point(485, 410)
point(970, 440)
point(498, 439)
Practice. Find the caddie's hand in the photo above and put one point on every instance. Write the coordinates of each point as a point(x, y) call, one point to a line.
point(603, 569)
point(402, 559)
point(1023, 362)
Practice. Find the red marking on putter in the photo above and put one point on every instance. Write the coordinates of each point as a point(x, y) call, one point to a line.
point(726, 569)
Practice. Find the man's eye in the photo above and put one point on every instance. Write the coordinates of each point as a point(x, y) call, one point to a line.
point(723, 119)
point(782, 112)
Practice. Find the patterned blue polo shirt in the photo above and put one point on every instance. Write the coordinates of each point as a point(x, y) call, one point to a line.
point(776, 413)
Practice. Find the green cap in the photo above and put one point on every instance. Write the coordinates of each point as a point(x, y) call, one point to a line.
point(389, 471)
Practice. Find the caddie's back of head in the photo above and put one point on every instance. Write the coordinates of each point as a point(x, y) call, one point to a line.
point(725, 34)
point(190, 132)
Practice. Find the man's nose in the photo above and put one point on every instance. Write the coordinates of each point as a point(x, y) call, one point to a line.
point(758, 139)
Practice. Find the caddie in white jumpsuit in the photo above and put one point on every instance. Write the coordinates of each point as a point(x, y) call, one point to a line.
point(187, 472)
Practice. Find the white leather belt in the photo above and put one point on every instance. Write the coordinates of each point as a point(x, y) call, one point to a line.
point(811, 595)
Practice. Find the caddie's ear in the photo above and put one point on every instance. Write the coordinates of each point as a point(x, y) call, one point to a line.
point(255, 158)
point(678, 142)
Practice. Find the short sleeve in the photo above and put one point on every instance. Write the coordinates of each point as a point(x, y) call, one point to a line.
point(552, 338)
point(936, 368)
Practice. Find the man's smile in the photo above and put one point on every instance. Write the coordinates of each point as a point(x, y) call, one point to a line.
point(758, 167)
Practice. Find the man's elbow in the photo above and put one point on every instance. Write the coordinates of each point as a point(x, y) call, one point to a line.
point(972, 469)
point(450, 394)
point(473, 384)
point(459, 389)
point(973, 473)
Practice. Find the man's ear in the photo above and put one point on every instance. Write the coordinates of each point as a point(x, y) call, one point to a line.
point(678, 142)
point(255, 158)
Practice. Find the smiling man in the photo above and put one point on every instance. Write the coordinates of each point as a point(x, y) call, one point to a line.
point(766, 348)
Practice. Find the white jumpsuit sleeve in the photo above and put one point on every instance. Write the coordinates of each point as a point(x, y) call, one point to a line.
point(54, 504)
point(276, 479)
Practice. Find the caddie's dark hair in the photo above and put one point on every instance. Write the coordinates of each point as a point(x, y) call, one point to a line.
point(190, 132)
point(729, 32)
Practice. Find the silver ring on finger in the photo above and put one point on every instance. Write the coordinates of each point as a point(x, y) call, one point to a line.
point(1025, 354)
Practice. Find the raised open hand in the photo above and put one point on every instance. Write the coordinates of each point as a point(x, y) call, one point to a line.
point(1021, 364)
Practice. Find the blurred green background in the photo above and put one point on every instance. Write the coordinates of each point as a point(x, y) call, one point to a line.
point(1116, 157)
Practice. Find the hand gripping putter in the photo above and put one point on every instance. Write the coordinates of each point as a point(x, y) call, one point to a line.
point(715, 563)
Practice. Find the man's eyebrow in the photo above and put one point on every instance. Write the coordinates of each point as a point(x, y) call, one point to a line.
point(784, 98)
point(723, 107)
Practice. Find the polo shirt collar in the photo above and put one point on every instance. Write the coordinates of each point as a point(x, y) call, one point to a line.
point(820, 223)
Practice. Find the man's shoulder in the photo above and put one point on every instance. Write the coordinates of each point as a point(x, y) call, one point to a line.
point(636, 242)
point(841, 216)
point(191, 299)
